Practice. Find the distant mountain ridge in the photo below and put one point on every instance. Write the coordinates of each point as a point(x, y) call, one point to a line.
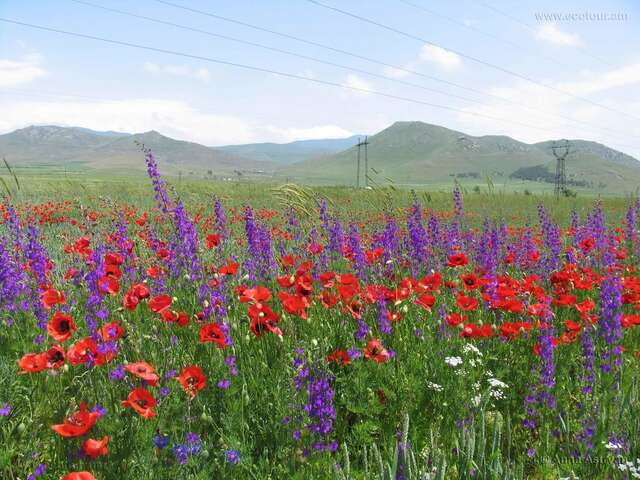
point(288, 153)
point(406, 153)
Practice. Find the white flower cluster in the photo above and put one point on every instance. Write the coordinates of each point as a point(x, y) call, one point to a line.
point(434, 386)
point(632, 468)
point(453, 361)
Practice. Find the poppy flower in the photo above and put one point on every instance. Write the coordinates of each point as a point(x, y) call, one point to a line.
point(212, 332)
point(375, 351)
point(160, 303)
point(315, 248)
point(111, 331)
point(455, 319)
point(144, 371)
point(294, 304)
point(213, 240)
point(426, 301)
point(458, 260)
point(78, 424)
point(263, 319)
point(130, 300)
point(78, 476)
point(472, 330)
point(229, 269)
point(95, 448)
point(142, 402)
point(258, 294)
point(55, 357)
point(82, 351)
point(33, 363)
point(192, 380)
point(470, 281)
point(467, 303)
point(52, 297)
point(341, 357)
point(60, 327)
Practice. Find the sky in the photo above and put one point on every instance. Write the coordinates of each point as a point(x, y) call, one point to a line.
point(533, 70)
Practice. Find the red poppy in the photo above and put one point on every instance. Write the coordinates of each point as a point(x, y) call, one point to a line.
point(470, 281)
point(95, 448)
point(427, 301)
point(229, 269)
point(78, 424)
point(341, 357)
point(458, 260)
point(142, 402)
point(160, 303)
point(476, 331)
point(213, 240)
point(455, 319)
point(212, 332)
point(60, 327)
point(315, 248)
point(55, 357)
point(375, 351)
point(52, 297)
point(192, 380)
point(130, 300)
point(263, 319)
point(78, 476)
point(82, 351)
point(294, 304)
point(33, 362)
point(467, 303)
point(144, 371)
point(257, 294)
point(111, 331)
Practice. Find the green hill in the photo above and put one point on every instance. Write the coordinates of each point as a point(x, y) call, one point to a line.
point(415, 153)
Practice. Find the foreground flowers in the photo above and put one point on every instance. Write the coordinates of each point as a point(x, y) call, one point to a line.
point(78, 424)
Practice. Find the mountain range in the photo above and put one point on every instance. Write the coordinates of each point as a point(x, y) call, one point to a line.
point(405, 153)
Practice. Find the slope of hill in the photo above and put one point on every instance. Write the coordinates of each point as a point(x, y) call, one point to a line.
point(79, 148)
point(413, 153)
point(288, 153)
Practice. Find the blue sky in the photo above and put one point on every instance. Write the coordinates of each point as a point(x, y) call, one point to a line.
point(46, 78)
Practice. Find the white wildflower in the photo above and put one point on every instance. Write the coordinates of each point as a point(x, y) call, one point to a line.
point(453, 361)
point(470, 348)
point(495, 383)
point(434, 386)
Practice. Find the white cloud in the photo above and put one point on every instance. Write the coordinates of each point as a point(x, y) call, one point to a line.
point(18, 72)
point(620, 77)
point(605, 126)
point(173, 118)
point(442, 58)
point(356, 82)
point(549, 32)
point(201, 74)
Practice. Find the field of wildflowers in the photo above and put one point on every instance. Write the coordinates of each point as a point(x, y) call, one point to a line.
point(165, 340)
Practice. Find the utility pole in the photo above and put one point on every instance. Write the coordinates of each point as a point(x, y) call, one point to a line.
point(561, 152)
point(366, 163)
point(358, 166)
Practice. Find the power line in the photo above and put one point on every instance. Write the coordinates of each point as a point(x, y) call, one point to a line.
point(378, 62)
point(270, 71)
point(483, 32)
point(278, 50)
point(468, 57)
point(266, 70)
point(533, 29)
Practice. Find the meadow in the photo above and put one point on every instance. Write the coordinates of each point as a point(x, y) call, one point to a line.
point(159, 327)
